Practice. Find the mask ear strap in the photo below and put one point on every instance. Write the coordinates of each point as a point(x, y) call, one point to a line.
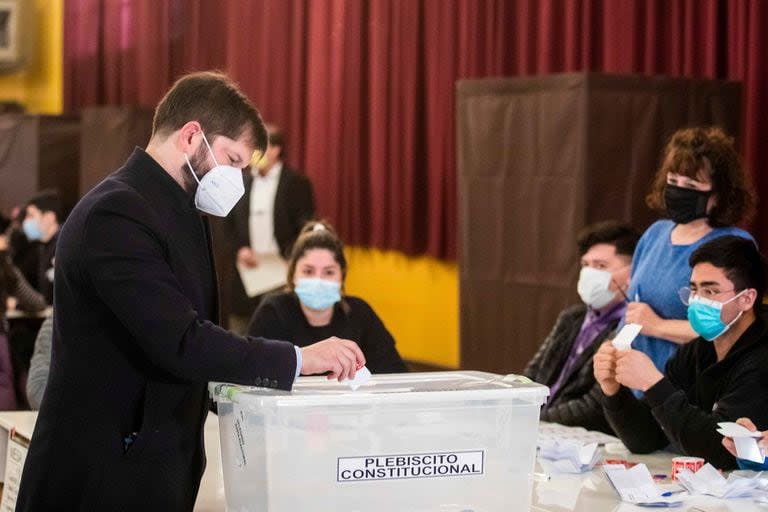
point(205, 139)
point(191, 169)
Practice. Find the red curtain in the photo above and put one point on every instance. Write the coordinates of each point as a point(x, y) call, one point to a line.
point(365, 88)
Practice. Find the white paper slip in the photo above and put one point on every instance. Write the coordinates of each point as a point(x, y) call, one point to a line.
point(268, 275)
point(731, 429)
point(627, 334)
point(568, 456)
point(635, 485)
point(549, 432)
point(745, 441)
point(709, 481)
point(362, 376)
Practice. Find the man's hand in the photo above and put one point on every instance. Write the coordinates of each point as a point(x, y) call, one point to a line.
point(604, 367)
point(746, 423)
point(246, 257)
point(342, 358)
point(643, 314)
point(635, 370)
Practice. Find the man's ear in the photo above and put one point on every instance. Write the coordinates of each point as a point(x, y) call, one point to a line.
point(188, 137)
point(749, 298)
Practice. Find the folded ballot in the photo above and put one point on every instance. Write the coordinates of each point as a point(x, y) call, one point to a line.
point(362, 376)
point(636, 485)
point(709, 481)
point(745, 441)
point(625, 337)
point(568, 456)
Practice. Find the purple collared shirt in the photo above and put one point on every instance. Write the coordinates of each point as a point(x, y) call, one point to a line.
point(594, 323)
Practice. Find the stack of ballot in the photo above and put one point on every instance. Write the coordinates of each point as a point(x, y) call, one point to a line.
point(709, 481)
point(568, 456)
point(745, 441)
point(636, 485)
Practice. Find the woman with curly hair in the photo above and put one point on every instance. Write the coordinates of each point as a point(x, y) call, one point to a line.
point(702, 188)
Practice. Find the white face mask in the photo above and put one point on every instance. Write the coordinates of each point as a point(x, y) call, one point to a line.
point(220, 189)
point(594, 286)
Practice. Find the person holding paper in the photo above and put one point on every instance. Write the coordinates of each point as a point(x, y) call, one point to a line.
point(564, 360)
point(314, 307)
point(762, 444)
point(135, 340)
point(702, 189)
point(720, 376)
point(278, 201)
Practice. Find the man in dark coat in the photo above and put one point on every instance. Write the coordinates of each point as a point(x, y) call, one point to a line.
point(564, 360)
point(134, 337)
point(278, 201)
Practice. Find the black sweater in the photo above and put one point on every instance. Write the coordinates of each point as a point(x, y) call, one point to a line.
point(279, 317)
point(695, 394)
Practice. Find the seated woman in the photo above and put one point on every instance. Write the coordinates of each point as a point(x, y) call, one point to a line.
point(312, 308)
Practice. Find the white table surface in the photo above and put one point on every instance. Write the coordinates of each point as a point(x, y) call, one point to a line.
point(587, 492)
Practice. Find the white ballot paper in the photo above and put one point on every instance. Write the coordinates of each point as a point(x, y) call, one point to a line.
point(568, 456)
point(745, 441)
point(709, 481)
point(362, 376)
point(627, 334)
point(268, 275)
point(635, 485)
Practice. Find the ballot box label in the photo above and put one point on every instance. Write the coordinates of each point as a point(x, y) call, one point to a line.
point(411, 465)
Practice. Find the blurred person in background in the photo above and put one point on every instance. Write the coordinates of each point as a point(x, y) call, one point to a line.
point(314, 306)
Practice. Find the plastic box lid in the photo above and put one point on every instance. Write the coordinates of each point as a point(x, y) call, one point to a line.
point(427, 387)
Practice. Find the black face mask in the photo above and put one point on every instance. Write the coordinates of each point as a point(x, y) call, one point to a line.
point(684, 204)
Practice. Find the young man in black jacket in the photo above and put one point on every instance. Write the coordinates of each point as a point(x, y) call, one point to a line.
point(720, 376)
point(564, 360)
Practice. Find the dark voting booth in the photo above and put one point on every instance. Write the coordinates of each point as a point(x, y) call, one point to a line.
point(38, 152)
point(539, 158)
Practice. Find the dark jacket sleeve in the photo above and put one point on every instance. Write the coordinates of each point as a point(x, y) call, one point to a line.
point(124, 262)
point(28, 299)
point(633, 422)
point(378, 345)
point(694, 430)
point(585, 411)
point(535, 370)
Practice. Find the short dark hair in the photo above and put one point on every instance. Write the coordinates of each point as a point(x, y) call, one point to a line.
point(276, 138)
point(47, 201)
point(213, 100)
point(739, 258)
point(687, 154)
point(612, 232)
point(316, 234)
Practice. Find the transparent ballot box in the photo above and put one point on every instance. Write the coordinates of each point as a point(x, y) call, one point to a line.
point(445, 441)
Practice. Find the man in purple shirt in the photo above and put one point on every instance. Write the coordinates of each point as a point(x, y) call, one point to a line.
point(564, 360)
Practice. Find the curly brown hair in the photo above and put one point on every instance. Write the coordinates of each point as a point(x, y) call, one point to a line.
point(706, 151)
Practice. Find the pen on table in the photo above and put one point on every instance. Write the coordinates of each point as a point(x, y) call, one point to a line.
point(540, 477)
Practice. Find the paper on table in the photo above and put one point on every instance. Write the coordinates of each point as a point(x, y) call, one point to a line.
point(362, 376)
point(568, 456)
point(623, 340)
point(745, 441)
point(269, 275)
point(709, 481)
point(635, 485)
point(549, 432)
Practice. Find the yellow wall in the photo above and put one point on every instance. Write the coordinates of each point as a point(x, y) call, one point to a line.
point(417, 298)
point(39, 86)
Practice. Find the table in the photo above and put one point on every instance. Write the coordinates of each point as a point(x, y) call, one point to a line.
point(588, 492)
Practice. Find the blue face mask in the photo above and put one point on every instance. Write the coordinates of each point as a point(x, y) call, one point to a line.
point(704, 316)
point(318, 294)
point(31, 228)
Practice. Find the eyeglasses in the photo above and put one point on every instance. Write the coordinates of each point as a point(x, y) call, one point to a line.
point(686, 294)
